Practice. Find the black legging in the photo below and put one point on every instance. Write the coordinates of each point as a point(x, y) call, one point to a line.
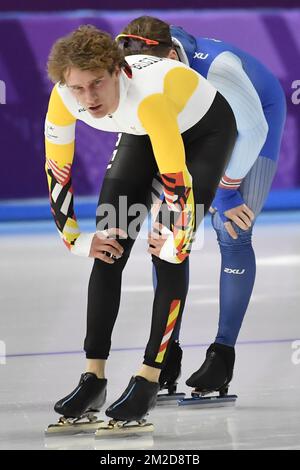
point(208, 145)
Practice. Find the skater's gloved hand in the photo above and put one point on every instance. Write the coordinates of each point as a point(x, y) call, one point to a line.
point(105, 247)
point(230, 205)
point(102, 245)
point(162, 244)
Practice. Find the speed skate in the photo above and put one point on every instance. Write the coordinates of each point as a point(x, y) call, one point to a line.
point(128, 412)
point(78, 409)
point(200, 400)
point(214, 376)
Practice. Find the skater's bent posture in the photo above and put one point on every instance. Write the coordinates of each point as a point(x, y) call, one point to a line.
point(185, 131)
point(259, 107)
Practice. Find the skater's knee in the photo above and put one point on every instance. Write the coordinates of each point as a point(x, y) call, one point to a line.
point(168, 267)
point(119, 262)
point(244, 237)
point(230, 245)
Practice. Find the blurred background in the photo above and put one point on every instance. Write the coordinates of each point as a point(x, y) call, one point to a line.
point(267, 29)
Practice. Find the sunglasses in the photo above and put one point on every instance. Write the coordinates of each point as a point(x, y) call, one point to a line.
point(134, 42)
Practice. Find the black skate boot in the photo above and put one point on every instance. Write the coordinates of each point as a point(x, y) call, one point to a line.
point(214, 375)
point(169, 376)
point(82, 403)
point(133, 405)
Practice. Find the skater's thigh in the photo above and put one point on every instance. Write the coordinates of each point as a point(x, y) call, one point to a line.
point(257, 183)
point(206, 161)
point(133, 160)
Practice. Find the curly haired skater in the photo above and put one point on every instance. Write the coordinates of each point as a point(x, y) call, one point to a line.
point(86, 48)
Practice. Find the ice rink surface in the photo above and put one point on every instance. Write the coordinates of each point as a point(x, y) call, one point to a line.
point(42, 326)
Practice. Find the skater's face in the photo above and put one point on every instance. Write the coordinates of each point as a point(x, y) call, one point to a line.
point(97, 91)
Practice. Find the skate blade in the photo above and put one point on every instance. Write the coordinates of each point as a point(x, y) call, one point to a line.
point(106, 429)
point(68, 429)
point(206, 402)
point(169, 398)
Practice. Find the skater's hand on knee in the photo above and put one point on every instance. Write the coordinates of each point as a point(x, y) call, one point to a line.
point(156, 239)
point(105, 247)
point(242, 216)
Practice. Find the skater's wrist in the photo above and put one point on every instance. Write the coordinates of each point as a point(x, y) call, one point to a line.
point(82, 246)
point(226, 199)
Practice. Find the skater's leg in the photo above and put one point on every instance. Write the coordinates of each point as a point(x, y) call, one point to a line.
point(154, 281)
point(123, 179)
point(206, 160)
point(151, 373)
point(96, 366)
point(236, 284)
point(168, 376)
point(238, 265)
point(239, 283)
point(169, 300)
point(129, 177)
point(237, 278)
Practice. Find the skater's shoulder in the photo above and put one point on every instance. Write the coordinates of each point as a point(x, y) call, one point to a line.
point(62, 105)
point(150, 73)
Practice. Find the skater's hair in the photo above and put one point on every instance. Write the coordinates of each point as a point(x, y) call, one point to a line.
point(146, 28)
point(86, 48)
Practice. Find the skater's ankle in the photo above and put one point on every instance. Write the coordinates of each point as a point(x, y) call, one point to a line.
point(97, 367)
point(149, 373)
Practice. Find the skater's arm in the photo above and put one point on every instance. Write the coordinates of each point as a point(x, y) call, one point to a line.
point(59, 143)
point(158, 115)
point(227, 74)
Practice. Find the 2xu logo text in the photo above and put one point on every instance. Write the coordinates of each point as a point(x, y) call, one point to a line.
point(234, 271)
